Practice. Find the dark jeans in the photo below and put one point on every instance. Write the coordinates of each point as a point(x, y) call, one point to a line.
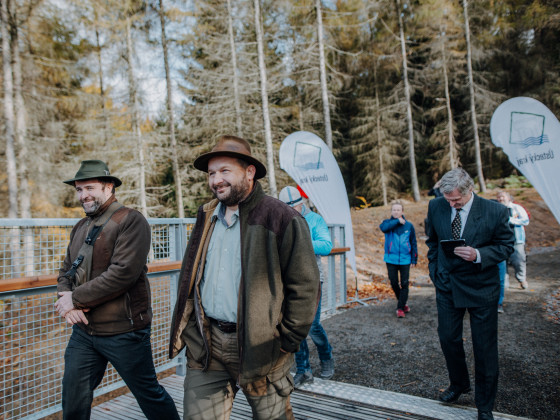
point(401, 292)
point(130, 353)
point(503, 270)
point(319, 337)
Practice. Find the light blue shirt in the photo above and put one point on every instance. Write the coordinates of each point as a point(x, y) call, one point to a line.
point(222, 271)
point(464, 214)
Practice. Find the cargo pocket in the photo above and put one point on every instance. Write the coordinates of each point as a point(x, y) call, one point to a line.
point(284, 386)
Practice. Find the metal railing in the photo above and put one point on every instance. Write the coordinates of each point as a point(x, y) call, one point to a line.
point(33, 337)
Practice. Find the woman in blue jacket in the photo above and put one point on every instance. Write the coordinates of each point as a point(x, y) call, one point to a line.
point(400, 253)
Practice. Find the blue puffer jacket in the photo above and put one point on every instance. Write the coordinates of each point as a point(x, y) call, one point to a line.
point(320, 235)
point(400, 242)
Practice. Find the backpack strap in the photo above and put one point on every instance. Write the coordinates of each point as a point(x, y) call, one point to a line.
point(86, 251)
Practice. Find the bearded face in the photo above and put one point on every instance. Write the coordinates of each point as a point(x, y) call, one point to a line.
point(229, 180)
point(92, 194)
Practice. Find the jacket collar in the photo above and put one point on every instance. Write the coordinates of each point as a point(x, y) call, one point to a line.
point(103, 208)
point(473, 221)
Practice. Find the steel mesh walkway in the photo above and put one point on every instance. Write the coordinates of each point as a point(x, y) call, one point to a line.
point(321, 400)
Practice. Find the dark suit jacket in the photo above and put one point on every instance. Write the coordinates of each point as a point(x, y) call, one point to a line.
point(487, 229)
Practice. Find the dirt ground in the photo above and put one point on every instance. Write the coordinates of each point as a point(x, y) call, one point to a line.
point(373, 348)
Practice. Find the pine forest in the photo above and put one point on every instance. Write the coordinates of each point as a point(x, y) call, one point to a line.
point(400, 90)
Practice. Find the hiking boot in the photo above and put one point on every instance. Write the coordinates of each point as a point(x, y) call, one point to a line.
point(400, 313)
point(406, 309)
point(524, 284)
point(500, 309)
point(303, 378)
point(327, 369)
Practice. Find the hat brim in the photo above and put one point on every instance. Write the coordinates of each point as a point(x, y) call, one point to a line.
point(114, 179)
point(201, 162)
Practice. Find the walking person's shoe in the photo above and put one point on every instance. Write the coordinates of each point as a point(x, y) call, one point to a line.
point(400, 313)
point(500, 309)
point(302, 379)
point(450, 395)
point(524, 284)
point(406, 309)
point(327, 369)
point(485, 415)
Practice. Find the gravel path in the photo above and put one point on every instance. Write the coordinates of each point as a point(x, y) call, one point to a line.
point(373, 348)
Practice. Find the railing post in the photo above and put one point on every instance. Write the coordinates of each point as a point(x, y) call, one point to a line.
point(179, 246)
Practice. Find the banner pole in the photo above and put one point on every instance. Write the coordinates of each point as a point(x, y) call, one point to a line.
point(357, 297)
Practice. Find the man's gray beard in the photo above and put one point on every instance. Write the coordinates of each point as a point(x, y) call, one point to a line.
point(237, 193)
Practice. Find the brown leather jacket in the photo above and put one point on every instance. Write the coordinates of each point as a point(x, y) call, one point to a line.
point(118, 293)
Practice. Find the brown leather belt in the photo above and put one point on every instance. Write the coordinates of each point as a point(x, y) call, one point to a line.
point(224, 326)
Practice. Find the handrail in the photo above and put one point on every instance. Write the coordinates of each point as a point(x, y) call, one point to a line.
point(336, 251)
point(31, 282)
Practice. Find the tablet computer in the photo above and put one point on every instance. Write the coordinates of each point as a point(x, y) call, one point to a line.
point(448, 245)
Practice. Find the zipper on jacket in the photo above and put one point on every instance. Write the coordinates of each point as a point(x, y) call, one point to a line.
point(128, 309)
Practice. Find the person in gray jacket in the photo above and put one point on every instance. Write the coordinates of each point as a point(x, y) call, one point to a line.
point(104, 294)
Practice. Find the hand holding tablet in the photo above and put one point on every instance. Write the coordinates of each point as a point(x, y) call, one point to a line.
point(449, 245)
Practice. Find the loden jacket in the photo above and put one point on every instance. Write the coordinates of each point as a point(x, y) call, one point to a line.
point(118, 292)
point(278, 291)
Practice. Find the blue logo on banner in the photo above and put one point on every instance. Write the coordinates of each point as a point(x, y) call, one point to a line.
point(307, 156)
point(527, 129)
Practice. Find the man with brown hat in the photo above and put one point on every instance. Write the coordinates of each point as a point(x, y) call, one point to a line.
point(104, 294)
point(247, 292)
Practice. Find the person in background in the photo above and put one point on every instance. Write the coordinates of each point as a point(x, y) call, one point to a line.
point(104, 293)
point(247, 293)
point(468, 279)
point(401, 252)
point(322, 245)
point(518, 219)
point(435, 191)
point(502, 267)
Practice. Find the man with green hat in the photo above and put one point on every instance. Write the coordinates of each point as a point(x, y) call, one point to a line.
point(104, 294)
point(247, 292)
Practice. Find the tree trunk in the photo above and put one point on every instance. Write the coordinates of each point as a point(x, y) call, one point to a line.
point(264, 99)
point(9, 123)
point(452, 160)
point(133, 93)
point(323, 77)
point(379, 147)
point(237, 101)
point(478, 157)
point(300, 115)
point(411, 154)
point(22, 157)
point(170, 111)
point(106, 131)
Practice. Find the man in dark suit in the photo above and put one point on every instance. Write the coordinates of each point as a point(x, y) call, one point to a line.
point(468, 279)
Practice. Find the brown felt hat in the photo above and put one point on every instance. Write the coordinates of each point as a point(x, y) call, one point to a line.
point(93, 169)
point(231, 146)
